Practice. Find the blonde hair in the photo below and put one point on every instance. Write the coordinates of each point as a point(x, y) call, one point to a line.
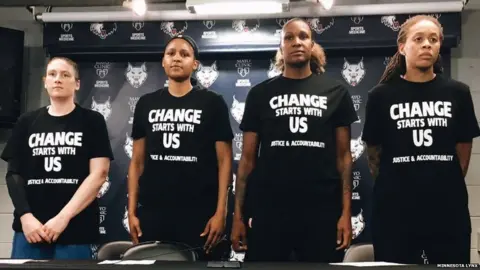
point(318, 61)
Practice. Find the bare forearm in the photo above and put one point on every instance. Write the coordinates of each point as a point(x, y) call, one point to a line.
point(86, 193)
point(374, 154)
point(134, 172)
point(464, 151)
point(224, 174)
point(344, 165)
point(244, 169)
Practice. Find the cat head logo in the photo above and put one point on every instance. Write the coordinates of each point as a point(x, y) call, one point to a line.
point(104, 108)
point(246, 26)
point(357, 147)
point(358, 224)
point(273, 71)
point(103, 30)
point(209, 24)
point(356, 19)
point(125, 222)
point(282, 21)
point(391, 22)
point(320, 25)
point(207, 75)
point(66, 26)
point(174, 28)
point(128, 146)
point(136, 75)
point(105, 187)
point(237, 110)
point(353, 73)
point(138, 25)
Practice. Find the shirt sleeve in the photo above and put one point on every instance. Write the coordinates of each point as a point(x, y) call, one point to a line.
point(139, 126)
point(466, 120)
point(15, 147)
point(222, 129)
point(372, 129)
point(100, 141)
point(345, 113)
point(251, 114)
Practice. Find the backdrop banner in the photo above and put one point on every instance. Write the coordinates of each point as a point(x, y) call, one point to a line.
point(234, 35)
point(120, 62)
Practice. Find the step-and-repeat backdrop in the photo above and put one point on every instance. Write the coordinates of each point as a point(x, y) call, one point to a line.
point(113, 85)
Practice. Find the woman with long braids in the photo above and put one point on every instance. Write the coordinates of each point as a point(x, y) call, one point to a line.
point(419, 128)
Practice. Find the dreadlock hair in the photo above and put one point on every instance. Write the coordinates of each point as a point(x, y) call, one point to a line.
point(397, 65)
point(318, 58)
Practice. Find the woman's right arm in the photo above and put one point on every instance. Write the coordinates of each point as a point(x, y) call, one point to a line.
point(135, 170)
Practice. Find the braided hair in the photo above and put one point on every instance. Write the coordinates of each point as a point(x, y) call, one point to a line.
point(397, 65)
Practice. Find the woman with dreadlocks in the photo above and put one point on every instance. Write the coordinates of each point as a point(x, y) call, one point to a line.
point(419, 128)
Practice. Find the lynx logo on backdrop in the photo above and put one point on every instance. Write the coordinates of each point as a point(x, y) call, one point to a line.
point(132, 103)
point(209, 24)
point(246, 26)
point(391, 22)
point(103, 30)
point(421, 118)
point(139, 35)
point(281, 22)
point(356, 182)
point(273, 70)
point(207, 75)
point(353, 73)
point(237, 110)
point(238, 140)
point(136, 75)
point(358, 224)
point(125, 223)
point(128, 146)
point(356, 30)
point(357, 147)
point(104, 108)
point(105, 187)
point(66, 27)
point(387, 60)
point(101, 69)
point(103, 214)
point(357, 101)
point(320, 25)
point(243, 69)
point(174, 28)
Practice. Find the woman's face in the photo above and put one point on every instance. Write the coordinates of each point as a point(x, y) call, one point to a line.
point(422, 45)
point(60, 80)
point(179, 60)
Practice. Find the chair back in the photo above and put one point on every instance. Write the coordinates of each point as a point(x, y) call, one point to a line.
point(359, 253)
point(113, 250)
point(161, 251)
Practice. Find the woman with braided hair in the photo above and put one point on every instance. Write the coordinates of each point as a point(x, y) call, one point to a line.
point(419, 128)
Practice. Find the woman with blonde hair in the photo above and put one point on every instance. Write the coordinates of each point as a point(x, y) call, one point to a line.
point(302, 179)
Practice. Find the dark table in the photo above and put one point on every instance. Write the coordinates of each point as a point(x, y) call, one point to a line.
point(162, 265)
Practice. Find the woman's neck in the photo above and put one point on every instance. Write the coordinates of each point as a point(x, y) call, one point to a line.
point(61, 107)
point(179, 89)
point(416, 75)
point(297, 72)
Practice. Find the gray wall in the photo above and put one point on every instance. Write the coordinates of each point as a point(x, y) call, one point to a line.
point(465, 67)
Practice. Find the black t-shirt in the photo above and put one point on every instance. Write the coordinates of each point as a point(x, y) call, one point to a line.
point(420, 182)
point(53, 155)
point(296, 121)
point(181, 166)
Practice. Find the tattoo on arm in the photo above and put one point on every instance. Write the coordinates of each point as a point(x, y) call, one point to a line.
point(374, 153)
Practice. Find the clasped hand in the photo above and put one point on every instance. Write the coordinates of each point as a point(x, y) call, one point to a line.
point(36, 232)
